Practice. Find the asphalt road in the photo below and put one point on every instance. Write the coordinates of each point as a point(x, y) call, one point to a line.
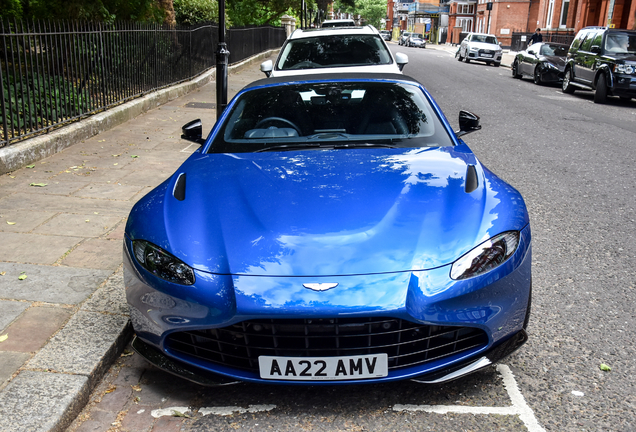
point(573, 162)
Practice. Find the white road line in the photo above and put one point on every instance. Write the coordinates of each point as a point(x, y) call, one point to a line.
point(171, 411)
point(229, 410)
point(519, 406)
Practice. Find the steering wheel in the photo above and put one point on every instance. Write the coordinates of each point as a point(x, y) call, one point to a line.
point(286, 122)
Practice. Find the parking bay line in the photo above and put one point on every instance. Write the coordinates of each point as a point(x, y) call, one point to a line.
point(519, 406)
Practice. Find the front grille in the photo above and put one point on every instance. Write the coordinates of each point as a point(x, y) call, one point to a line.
point(406, 343)
point(485, 51)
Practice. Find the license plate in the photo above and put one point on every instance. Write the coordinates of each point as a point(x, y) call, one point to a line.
point(323, 368)
point(486, 55)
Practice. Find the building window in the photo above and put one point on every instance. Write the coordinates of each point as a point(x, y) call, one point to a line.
point(466, 9)
point(548, 21)
point(564, 14)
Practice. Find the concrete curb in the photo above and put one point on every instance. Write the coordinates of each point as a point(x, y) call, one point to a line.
point(13, 157)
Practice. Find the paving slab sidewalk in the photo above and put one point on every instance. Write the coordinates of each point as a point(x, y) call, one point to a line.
point(63, 313)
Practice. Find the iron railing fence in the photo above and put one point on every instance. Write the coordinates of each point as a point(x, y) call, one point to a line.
point(517, 44)
point(53, 73)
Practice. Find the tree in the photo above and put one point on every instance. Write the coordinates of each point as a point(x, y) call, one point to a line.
point(260, 12)
point(188, 12)
point(99, 10)
point(372, 11)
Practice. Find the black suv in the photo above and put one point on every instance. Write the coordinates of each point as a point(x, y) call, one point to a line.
point(604, 60)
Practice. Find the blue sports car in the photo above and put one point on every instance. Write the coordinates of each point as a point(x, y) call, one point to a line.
point(330, 230)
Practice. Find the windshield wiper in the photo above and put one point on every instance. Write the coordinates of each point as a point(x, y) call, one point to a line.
point(288, 147)
point(358, 145)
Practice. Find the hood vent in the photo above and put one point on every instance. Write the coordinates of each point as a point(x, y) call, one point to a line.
point(179, 187)
point(471, 179)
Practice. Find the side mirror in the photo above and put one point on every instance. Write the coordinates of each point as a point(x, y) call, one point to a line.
point(532, 52)
point(595, 49)
point(468, 122)
point(499, 43)
point(193, 131)
point(401, 60)
point(266, 67)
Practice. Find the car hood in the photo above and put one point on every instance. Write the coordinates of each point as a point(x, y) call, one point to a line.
point(556, 61)
point(485, 46)
point(327, 212)
point(386, 68)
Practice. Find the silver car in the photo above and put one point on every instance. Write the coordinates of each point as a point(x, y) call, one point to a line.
point(338, 49)
point(480, 47)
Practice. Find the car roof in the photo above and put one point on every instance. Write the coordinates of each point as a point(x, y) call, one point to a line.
point(297, 79)
point(331, 31)
point(482, 34)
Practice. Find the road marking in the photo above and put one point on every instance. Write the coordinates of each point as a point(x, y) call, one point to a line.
point(519, 406)
point(229, 410)
point(171, 411)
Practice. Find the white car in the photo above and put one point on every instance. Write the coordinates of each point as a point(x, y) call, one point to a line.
point(338, 49)
point(480, 47)
point(338, 23)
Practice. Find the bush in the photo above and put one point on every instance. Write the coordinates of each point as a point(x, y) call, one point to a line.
point(189, 12)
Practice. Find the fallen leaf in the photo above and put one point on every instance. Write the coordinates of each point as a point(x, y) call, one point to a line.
point(3, 273)
point(137, 399)
point(134, 156)
point(87, 220)
point(126, 353)
point(111, 389)
point(95, 212)
point(22, 277)
point(38, 184)
point(12, 176)
point(117, 155)
point(176, 413)
point(136, 387)
point(30, 166)
point(605, 368)
point(4, 337)
point(10, 223)
point(115, 164)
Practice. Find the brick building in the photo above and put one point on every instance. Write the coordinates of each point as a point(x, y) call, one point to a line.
point(552, 16)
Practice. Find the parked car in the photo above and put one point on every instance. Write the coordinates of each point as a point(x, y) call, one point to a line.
point(544, 62)
point(403, 37)
point(480, 47)
point(386, 34)
point(344, 49)
point(332, 229)
point(338, 23)
point(603, 60)
point(416, 40)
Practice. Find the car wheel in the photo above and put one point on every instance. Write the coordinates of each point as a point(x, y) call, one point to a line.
point(488, 63)
point(600, 96)
point(537, 76)
point(515, 70)
point(566, 87)
point(466, 59)
point(625, 98)
point(459, 56)
point(497, 64)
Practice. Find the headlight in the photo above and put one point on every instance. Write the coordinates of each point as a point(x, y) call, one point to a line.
point(550, 66)
point(622, 68)
point(474, 49)
point(487, 256)
point(162, 264)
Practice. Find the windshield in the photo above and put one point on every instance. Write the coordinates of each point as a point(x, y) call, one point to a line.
point(416, 36)
point(621, 43)
point(334, 51)
point(554, 50)
point(484, 39)
point(330, 114)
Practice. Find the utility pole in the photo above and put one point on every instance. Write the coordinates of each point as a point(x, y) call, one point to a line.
point(489, 8)
point(222, 56)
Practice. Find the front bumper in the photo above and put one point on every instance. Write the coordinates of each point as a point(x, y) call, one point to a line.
point(211, 379)
point(496, 303)
point(623, 85)
point(485, 57)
